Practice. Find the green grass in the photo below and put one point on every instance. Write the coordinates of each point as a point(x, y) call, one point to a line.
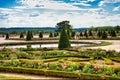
point(101, 44)
point(104, 44)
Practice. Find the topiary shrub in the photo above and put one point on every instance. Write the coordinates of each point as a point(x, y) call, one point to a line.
point(40, 35)
point(64, 40)
point(51, 34)
point(7, 36)
point(29, 36)
point(21, 35)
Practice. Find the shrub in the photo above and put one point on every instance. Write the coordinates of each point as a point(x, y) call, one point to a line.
point(21, 35)
point(29, 36)
point(40, 35)
point(7, 36)
point(51, 34)
point(104, 35)
point(64, 40)
point(55, 73)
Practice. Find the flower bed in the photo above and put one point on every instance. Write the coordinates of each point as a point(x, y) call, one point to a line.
point(61, 66)
point(57, 73)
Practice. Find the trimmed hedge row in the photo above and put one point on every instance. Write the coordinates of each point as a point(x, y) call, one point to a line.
point(56, 73)
point(117, 59)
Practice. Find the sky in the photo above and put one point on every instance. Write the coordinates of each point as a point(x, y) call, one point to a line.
point(46, 13)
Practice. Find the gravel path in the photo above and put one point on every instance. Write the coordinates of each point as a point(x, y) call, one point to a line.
point(115, 43)
point(28, 76)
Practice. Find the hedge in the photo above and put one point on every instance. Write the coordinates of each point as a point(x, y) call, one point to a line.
point(56, 73)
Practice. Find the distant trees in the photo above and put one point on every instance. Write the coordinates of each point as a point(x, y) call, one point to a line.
point(106, 28)
point(64, 40)
point(99, 33)
point(85, 33)
point(29, 36)
point(104, 35)
point(21, 35)
point(90, 33)
point(81, 34)
point(73, 34)
point(63, 25)
point(7, 36)
point(51, 34)
point(56, 34)
point(112, 33)
point(117, 28)
point(40, 35)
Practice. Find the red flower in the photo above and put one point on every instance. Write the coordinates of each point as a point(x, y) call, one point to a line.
point(36, 62)
point(96, 68)
point(64, 65)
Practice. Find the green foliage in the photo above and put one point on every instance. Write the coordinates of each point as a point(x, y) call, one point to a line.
point(106, 28)
point(99, 34)
point(64, 40)
point(29, 36)
point(21, 35)
point(68, 33)
point(104, 35)
point(85, 33)
point(40, 35)
point(90, 33)
point(113, 33)
point(55, 34)
point(51, 34)
point(81, 34)
point(73, 34)
point(7, 36)
point(63, 25)
point(95, 69)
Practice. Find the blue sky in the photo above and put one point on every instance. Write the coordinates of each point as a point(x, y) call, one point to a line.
point(46, 13)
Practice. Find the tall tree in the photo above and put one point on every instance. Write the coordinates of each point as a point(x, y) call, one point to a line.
point(21, 35)
point(113, 34)
point(90, 33)
point(63, 25)
point(99, 33)
point(73, 34)
point(81, 34)
point(29, 36)
point(104, 35)
point(117, 28)
point(40, 35)
point(51, 34)
point(85, 33)
point(64, 40)
point(7, 35)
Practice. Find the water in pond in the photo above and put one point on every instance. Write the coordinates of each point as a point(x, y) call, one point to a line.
point(42, 46)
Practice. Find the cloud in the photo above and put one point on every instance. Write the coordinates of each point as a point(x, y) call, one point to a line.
point(48, 4)
point(101, 3)
point(116, 8)
point(83, 4)
point(46, 13)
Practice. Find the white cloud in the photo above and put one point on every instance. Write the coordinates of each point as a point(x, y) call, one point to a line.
point(116, 8)
point(48, 13)
point(48, 4)
point(83, 4)
point(101, 3)
point(38, 18)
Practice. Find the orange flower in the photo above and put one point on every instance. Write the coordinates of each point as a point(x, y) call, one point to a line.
point(96, 68)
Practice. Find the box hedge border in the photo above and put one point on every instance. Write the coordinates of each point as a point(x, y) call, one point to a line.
point(56, 73)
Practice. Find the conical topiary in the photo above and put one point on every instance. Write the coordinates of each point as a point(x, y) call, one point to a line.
point(64, 40)
point(29, 36)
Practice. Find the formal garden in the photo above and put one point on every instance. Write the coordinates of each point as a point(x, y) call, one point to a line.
point(63, 61)
point(72, 63)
